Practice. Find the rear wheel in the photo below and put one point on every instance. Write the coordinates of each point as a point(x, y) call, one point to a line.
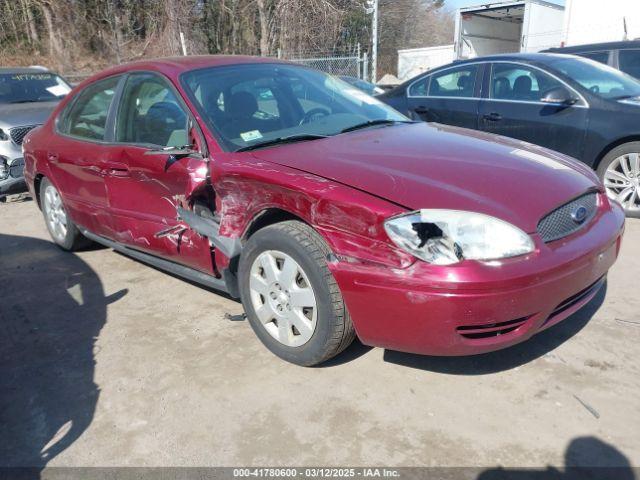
point(291, 299)
point(619, 170)
point(62, 230)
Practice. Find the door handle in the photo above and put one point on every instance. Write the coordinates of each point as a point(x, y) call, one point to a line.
point(492, 117)
point(116, 170)
point(421, 110)
point(52, 157)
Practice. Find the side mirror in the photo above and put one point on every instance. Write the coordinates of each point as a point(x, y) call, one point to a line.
point(559, 96)
point(176, 152)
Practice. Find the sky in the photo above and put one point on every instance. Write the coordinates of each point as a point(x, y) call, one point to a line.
point(467, 3)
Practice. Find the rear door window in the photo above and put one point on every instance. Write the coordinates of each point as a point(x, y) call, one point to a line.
point(87, 116)
point(419, 88)
point(630, 62)
point(458, 82)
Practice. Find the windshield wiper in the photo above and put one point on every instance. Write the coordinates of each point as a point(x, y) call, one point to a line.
point(26, 101)
point(372, 123)
point(282, 140)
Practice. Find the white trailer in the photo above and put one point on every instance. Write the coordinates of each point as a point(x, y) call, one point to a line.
point(589, 21)
point(508, 27)
point(414, 61)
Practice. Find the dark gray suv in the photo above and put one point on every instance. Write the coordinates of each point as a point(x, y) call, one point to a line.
point(624, 56)
point(27, 98)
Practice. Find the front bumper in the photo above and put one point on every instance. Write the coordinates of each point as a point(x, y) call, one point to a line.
point(477, 307)
point(14, 182)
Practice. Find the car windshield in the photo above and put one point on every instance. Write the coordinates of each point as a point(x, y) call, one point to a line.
point(602, 80)
point(249, 105)
point(31, 87)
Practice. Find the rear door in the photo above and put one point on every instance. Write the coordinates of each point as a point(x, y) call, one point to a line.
point(513, 107)
point(144, 190)
point(450, 96)
point(81, 153)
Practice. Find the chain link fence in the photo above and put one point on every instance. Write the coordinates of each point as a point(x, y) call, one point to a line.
point(352, 64)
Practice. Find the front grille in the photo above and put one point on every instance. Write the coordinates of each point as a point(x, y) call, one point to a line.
point(560, 223)
point(488, 330)
point(18, 133)
point(16, 169)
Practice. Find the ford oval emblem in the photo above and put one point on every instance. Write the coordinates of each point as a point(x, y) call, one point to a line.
point(579, 214)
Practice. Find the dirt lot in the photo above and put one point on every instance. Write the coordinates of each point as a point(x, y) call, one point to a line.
point(107, 362)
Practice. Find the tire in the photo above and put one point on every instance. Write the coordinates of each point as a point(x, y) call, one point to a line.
point(617, 174)
point(311, 335)
point(63, 231)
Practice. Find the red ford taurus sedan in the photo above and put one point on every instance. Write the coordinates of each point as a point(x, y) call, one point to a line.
point(328, 213)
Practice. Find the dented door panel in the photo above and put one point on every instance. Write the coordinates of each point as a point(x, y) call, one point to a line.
point(144, 202)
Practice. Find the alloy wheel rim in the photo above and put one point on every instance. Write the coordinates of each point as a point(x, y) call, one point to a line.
point(622, 181)
point(56, 214)
point(283, 298)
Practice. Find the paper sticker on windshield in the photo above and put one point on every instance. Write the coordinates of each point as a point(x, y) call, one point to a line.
point(363, 97)
point(251, 136)
point(536, 157)
point(58, 90)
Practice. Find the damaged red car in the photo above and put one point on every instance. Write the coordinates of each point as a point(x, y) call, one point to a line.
point(327, 213)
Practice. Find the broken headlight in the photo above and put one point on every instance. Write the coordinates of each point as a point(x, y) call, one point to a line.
point(4, 168)
point(445, 237)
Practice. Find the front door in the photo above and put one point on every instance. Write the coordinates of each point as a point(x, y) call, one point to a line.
point(144, 190)
point(449, 96)
point(514, 109)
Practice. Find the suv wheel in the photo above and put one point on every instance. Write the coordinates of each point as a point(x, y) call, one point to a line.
point(62, 230)
point(291, 299)
point(620, 173)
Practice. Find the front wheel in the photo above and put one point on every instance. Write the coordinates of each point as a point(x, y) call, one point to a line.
point(619, 170)
point(291, 299)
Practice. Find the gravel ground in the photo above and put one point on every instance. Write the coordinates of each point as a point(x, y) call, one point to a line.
point(108, 362)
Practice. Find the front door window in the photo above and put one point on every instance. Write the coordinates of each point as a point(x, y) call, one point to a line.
point(151, 114)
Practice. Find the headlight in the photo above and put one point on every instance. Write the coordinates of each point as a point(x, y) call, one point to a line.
point(3, 135)
point(444, 237)
point(4, 168)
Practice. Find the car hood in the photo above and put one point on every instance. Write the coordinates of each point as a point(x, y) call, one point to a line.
point(19, 114)
point(435, 166)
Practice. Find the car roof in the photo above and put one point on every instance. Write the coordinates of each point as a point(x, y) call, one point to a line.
point(514, 57)
point(591, 47)
point(174, 66)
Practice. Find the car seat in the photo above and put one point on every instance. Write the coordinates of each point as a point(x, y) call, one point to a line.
point(501, 87)
point(240, 109)
point(522, 88)
point(464, 84)
point(164, 121)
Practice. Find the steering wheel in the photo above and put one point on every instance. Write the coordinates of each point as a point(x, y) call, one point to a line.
point(595, 88)
point(314, 114)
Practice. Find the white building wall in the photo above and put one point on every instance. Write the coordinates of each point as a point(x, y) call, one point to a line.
point(594, 21)
point(414, 61)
